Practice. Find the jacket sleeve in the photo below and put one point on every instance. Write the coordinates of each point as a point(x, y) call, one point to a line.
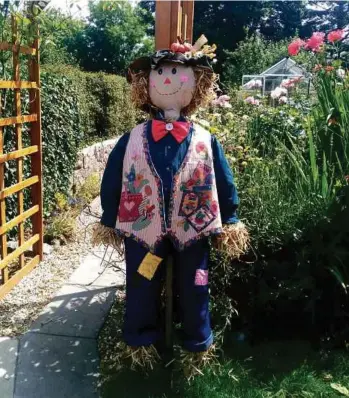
point(227, 192)
point(112, 183)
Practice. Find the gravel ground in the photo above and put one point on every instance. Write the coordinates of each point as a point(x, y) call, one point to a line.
point(26, 301)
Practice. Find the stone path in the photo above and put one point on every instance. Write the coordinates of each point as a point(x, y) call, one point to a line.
point(58, 356)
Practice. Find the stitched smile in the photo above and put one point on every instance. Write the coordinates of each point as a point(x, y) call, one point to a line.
point(174, 92)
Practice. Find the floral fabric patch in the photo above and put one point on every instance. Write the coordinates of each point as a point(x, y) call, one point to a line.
point(197, 206)
point(201, 218)
point(201, 277)
point(135, 204)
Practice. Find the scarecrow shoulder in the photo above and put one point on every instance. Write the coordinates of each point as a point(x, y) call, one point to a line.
point(202, 131)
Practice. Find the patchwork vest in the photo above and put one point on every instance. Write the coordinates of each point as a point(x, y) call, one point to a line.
point(193, 209)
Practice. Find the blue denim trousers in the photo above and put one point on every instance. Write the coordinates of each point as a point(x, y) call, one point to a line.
point(142, 325)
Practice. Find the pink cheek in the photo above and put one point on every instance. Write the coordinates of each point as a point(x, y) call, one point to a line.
point(152, 83)
point(184, 78)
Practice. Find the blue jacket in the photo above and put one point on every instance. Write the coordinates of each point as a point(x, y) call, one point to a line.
point(167, 156)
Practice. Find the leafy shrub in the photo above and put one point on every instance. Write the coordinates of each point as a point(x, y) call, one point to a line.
point(105, 108)
point(294, 199)
point(61, 135)
point(61, 226)
point(77, 108)
point(89, 189)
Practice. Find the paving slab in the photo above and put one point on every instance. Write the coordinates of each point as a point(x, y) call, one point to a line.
point(56, 367)
point(8, 358)
point(78, 311)
point(98, 269)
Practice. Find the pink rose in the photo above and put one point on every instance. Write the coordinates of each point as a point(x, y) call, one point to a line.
point(315, 42)
point(335, 35)
point(252, 101)
point(295, 47)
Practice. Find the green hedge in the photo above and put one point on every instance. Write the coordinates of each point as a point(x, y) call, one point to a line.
point(77, 109)
point(104, 103)
point(61, 135)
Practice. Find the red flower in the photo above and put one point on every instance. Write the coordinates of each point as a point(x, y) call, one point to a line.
point(295, 46)
point(335, 35)
point(315, 42)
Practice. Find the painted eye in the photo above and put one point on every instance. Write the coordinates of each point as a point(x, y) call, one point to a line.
point(174, 71)
point(160, 71)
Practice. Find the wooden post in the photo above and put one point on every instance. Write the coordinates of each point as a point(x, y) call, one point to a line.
point(173, 18)
point(35, 135)
point(10, 275)
point(18, 131)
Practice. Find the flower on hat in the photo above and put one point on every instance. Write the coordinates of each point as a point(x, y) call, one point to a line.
point(199, 49)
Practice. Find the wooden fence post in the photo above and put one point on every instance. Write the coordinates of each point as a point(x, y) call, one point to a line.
point(172, 19)
point(12, 272)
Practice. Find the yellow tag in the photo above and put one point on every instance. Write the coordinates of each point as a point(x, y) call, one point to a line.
point(149, 265)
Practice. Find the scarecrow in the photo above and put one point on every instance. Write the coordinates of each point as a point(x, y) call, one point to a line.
point(167, 188)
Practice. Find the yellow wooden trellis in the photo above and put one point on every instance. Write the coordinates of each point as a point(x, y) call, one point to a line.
point(9, 279)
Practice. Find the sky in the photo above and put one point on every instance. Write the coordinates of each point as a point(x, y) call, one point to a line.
point(77, 8)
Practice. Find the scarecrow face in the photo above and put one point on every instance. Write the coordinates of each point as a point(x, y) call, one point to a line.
point(171, 87)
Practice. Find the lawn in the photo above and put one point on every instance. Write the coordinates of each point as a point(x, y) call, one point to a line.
point(272, 369)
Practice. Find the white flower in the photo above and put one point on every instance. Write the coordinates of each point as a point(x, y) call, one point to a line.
point(341, 73)
point(252, 101)
point(253, 84)
point(283, 100)
point(222, 101)
point(249, 100)
point(278, 92)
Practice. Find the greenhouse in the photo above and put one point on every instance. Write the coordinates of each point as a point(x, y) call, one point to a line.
point(284, 75)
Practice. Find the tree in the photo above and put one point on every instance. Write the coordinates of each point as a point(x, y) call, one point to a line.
point(283, 19)
point(252, 56)
point(58, 37)
point(328, 15)
point(227, 23)
point(115, 35)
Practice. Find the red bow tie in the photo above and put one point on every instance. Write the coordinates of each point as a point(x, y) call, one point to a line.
point(179, 130)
